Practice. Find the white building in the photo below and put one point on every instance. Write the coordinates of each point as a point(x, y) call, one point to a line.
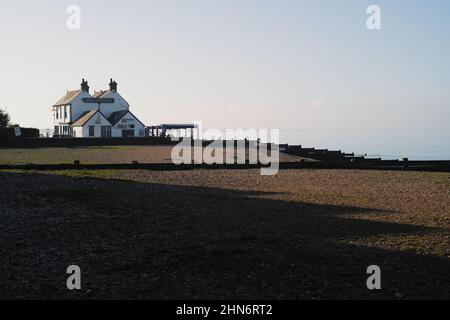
point(105, 114)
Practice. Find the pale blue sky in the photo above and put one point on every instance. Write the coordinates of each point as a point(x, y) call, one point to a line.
point(309, 68)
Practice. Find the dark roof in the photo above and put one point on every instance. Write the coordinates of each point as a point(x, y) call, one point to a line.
point(85, 117)
point(116, 116)
point(137, 118)
point(68, 98)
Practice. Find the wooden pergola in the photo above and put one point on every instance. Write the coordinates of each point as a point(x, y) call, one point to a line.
point(161, 130)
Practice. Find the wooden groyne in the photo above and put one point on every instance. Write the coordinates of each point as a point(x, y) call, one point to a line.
point(429, 166)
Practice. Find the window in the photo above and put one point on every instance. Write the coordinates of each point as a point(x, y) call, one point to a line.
point(91, 131)
point(65, 112)
point(106, 131)
point(132, 126)
point(127, 133)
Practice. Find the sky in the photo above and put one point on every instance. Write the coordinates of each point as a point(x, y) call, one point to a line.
point(309, 68)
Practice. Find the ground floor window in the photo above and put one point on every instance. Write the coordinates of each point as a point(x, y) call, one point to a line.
point(91, 131)
point(106, 131)
point(62, 130)
point(127, 133)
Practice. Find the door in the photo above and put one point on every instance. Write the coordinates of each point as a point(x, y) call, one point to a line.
point(106, 132)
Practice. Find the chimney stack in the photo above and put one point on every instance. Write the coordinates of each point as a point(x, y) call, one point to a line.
point(84, 86)
point(112, 85)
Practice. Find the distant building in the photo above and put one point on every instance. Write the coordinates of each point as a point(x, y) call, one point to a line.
point(105, 114)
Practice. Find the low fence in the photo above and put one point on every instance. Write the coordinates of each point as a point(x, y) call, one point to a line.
point(21, 142)
point(429, 166)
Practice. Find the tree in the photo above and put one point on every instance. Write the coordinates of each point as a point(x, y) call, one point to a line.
point(4, 118)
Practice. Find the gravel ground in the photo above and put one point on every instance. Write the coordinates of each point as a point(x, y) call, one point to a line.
point(302, 234)
point(107, 154)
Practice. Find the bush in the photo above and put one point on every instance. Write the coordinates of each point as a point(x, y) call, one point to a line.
point(4, 119)
point(25, 133)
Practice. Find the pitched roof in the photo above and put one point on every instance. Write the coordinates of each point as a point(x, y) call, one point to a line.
point(116, 116)
point(85, 117)
point(68, 98)
point(101, 93)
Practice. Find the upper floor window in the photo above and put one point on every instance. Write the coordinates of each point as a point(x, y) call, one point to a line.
point(65, 112)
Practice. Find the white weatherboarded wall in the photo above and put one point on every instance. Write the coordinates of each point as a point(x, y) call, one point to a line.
point(78, 107)
point(128, 122)
point(118, 105)
point(97, 121)
point(77, 132)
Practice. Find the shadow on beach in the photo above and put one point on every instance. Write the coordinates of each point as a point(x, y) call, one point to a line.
point(152, 241)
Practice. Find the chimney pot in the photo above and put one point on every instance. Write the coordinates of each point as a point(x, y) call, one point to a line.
point(84, 85)
point(112, 85)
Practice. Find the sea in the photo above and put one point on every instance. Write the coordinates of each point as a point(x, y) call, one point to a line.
point(379, 144)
